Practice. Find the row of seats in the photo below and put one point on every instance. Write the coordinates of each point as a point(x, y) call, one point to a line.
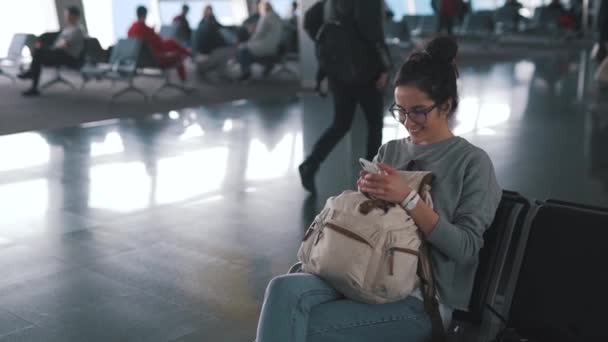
point(128, 59)
point(541, 273)
point(494, 24)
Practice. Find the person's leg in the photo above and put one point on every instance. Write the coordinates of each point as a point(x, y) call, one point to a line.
point(349, 321)
point(245, 59)
point(345, 103)
point(48, 57)
point(372, 102)
point(174, 59)
point(172, 46)
point(288, 301)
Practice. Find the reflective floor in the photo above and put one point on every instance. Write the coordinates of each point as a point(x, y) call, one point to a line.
point(168, 228)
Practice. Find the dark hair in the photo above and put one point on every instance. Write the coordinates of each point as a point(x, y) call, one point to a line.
point(73, 10)
point(142, 11)
point(185, 8)
point(433, 71)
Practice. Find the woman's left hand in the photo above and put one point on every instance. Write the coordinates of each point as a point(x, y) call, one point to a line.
point(388, 185)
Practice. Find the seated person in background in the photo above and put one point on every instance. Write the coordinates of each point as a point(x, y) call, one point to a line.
point(210, 45)
point(250, 23)
point(183, 32)
point(264, 41)
point(167, 51)
point(207, 36)
point(65, 51)
point(512, 7)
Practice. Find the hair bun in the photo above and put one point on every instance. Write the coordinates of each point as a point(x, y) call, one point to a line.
point(442, 49)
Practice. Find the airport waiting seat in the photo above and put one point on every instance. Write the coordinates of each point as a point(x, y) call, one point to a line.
point(427, 25)
point(511, 217)
point(559, 292)
point(91, 50)
point(413, 22)
point(148, 65)
point(397, 33)
point(129, 59)
point(507, 20)
point(122, 66)
point(479, 24)
point(14, 57)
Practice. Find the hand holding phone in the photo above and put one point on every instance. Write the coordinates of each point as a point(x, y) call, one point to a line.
point(368, 166)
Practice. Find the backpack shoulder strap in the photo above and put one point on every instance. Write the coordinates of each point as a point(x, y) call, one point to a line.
point(429, 293)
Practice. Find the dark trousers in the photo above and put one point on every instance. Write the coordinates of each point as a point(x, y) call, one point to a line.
point(346, 99)
point(245, 59)
point(446, 23)
point(48, 57)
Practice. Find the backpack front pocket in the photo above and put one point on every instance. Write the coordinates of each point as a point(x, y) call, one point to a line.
point(341, 253)
point(397, 276)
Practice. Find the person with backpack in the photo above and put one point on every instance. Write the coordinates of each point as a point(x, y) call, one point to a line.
point(354, 57)
point(302, 307)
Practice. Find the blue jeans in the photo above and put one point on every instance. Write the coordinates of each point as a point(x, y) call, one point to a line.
point(245, 59)
point(301, 307)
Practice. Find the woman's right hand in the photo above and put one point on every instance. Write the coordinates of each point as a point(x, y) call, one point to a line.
point(362, 175)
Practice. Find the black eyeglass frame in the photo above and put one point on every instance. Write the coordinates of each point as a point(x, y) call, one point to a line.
point(409, 115)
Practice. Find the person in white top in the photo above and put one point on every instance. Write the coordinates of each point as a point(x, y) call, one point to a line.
point(65, 51)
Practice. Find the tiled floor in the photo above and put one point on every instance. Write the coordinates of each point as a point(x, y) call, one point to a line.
point(168, 228)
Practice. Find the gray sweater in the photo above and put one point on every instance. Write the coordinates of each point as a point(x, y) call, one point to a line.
point(465, 195)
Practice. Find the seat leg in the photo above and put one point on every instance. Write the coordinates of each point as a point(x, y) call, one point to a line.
point(130, 88)
point(58, 79)
point(172, 85)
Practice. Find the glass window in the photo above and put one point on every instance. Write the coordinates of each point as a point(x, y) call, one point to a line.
point(225, 11)
point(26, 16)
point(110, 21)
point(282, 7)
point(409, 7)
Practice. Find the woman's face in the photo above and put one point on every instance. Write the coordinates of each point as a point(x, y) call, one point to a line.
point(426, 129)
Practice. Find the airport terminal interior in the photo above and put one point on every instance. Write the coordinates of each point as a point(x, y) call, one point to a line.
point(161, 213)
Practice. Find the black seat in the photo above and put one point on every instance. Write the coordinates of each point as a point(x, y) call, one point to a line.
point(510, 218)
point(560, 292)
point(80, 61)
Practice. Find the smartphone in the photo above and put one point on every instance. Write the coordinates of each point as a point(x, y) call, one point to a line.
point(368, 166)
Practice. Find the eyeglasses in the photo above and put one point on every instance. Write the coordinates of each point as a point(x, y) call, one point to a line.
point(417, 115)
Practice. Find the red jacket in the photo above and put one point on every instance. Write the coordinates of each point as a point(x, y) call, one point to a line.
point(142, 31)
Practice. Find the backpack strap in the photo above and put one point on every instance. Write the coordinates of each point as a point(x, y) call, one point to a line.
point(429, 294)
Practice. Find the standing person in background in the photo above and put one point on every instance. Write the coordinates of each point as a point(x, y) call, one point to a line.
point(167, 51)
point(65, 51)
point(183, 32)
point(364, 89)
point(447, 11)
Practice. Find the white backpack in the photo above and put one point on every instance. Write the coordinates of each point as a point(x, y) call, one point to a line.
point(367, 249)
point(371, 250)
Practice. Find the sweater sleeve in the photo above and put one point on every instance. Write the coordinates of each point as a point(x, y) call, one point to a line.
point(461, 239)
